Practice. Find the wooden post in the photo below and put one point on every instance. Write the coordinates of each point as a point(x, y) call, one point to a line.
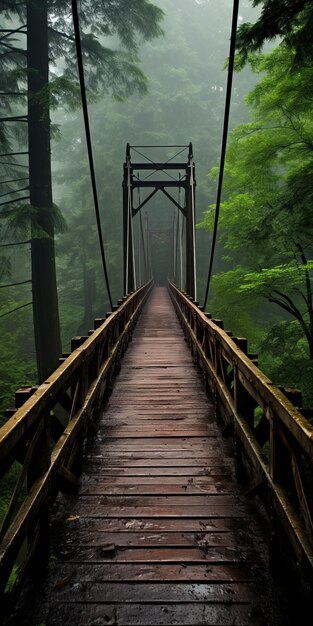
point(244, 403)
point(244, 406)
point(39, 464)
point(279, 457)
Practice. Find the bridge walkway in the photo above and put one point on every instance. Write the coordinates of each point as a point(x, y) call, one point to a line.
point(160, 532)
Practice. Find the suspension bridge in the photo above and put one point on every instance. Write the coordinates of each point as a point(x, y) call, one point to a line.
point(187, 481)
point(161, 477)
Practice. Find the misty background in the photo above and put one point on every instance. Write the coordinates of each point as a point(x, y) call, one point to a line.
point(186, 83)
point(186, 74)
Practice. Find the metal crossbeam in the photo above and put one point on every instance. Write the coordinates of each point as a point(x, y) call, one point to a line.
point(159, 166)
point(159, 184)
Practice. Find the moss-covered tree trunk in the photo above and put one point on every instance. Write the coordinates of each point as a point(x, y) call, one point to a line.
point(45, 299)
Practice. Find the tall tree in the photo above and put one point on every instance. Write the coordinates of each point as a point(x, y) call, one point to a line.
point(45, 298)
point(267, 218)
point(116, 71)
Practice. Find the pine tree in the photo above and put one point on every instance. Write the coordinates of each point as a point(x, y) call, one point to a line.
point(49, 40)
point(291, 20)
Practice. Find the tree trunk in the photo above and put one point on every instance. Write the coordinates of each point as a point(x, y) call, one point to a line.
point(45, 298)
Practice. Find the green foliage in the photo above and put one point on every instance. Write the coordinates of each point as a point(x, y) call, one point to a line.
point(64, 92)
point(27, 219)
point(239, 310)
point(291, 20)
point(276, 278)
point(266, 219)
point(267, 158)
point(17, 367)
point(17, 364)
point(114, 68)
point(283, 355)
point(12, 579)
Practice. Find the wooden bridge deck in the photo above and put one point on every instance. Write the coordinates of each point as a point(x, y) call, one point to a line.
point(160, 532)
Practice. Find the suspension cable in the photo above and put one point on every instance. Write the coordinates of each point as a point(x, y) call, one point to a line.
point(88, 140)
point(23, 282)
point(224, 140)
point(16, 309)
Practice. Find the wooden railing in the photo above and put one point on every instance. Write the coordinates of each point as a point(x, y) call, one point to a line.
point(273, 440)
point(42, 442)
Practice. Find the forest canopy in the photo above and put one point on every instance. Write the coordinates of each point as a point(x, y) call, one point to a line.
point(290, 20)
point(266, 217)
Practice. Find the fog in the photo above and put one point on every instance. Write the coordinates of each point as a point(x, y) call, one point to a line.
point(163, 90)
point(185, 102)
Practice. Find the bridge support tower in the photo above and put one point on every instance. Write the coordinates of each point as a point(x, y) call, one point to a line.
point(180, 175)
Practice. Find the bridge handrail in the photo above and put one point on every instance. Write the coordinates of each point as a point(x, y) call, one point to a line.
point(63, 406)
point(274, 441)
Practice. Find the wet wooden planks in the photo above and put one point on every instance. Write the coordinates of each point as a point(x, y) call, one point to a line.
point(160, 533)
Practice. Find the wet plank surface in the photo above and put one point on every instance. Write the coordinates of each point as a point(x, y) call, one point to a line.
point(160, 532)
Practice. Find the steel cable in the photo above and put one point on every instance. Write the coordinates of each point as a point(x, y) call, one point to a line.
point(88, 140)
point(224, 140)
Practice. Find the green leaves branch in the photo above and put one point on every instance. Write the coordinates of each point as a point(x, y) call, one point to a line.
point(40, 222)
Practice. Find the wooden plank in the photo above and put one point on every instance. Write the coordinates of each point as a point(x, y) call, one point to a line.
point(163, 511)
point(152, 615)
point(172, 482)
point(155, 442)
point(215, 470)
point(151, 539)
point(161, 420)
point(142, 433)
point(156, 524)
point(124, 447)
point(128, 489)
point(155, 455)
point(102, 554)
point(159, 501)
point(214, 460)
point(160, 533)
point(138, 572)
point(147, 593)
